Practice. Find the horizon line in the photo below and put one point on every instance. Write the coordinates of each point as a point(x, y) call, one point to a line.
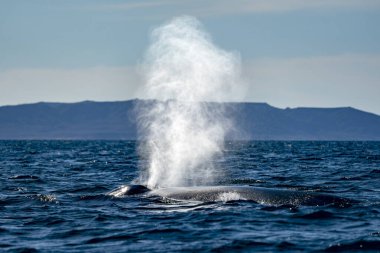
point(225, 102)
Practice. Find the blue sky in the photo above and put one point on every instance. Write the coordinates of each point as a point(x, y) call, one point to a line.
point(319, 53)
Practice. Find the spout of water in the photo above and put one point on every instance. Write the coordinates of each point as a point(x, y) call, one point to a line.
point(184, 134)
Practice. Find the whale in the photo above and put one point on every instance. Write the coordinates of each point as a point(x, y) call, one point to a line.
point(261, 195)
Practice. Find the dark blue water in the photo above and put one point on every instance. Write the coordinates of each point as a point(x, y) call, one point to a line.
point(53, 199)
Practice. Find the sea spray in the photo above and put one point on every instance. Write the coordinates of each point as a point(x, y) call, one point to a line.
point(183, 133)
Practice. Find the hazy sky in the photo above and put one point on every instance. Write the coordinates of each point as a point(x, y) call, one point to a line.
point(320, 53)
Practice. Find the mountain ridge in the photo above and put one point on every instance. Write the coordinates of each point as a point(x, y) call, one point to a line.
point(90, 120)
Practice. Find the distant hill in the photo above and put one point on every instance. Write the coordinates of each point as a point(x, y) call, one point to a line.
point(117, 120)
point(264, 122)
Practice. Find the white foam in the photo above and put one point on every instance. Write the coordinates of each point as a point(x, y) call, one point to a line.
point(120, 192)
point(229, 196)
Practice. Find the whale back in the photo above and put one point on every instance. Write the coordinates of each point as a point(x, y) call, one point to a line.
point(133, 189)
point(260, 195)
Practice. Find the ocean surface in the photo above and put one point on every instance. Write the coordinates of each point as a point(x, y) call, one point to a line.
point(53, 198)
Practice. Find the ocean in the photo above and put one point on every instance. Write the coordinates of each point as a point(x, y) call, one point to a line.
point(53, 198)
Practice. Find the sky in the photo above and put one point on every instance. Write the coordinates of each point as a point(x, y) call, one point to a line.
point(294, 53)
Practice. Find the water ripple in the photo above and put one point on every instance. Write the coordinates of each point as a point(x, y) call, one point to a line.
point(53, 198)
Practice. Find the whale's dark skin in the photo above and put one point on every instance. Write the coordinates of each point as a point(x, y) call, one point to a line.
point(133, 189)
point(260, 195)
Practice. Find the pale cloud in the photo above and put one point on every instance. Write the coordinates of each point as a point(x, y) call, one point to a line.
point(328, 81)
point(68, 85)
point(253, 6)
point(228, 7)
point(133, 5)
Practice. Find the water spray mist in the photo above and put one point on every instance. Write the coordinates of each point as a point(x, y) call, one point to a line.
point(183, 133)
